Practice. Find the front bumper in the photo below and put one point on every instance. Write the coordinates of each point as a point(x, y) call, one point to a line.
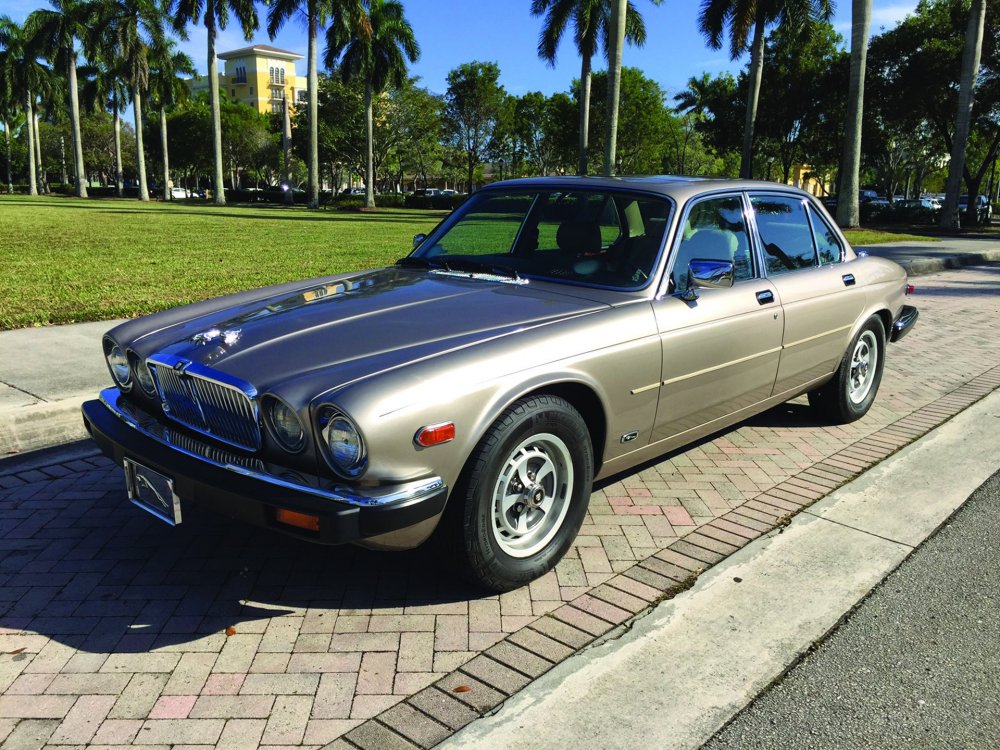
point(904, 323)
point(249, 490)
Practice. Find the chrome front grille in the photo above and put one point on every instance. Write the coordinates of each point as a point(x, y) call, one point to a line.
point(211, 452)
point(205, 403)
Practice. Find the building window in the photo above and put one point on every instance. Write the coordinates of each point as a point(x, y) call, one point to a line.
point(251, 90)
point(234, 93)
point(281, 74)
point(276, 108)
point(241, 74)
point(272, 75)
point(302, 96)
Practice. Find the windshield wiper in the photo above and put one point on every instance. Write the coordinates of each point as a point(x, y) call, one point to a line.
point(477, 266)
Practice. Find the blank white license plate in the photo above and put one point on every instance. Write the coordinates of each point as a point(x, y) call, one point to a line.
point(152, 491)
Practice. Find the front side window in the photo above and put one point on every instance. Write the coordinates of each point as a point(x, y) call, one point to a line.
point(714, 230)
point(603, 238)
point(785, 233)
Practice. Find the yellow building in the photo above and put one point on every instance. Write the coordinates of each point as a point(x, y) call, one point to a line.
point(261, 76)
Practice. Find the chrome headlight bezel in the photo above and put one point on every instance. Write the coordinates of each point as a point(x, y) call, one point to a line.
point(331, 418)
point(118, 364)
point(141, 373)
point(272, 404)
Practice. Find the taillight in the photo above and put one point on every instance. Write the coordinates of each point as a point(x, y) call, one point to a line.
point(910, 289)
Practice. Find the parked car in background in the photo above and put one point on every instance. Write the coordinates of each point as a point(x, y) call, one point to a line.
point(179, 193)
point(982, 206)
point(548, 333)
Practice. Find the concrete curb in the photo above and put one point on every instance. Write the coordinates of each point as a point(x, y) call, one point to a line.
point(43, 425)
point(926, 266)
point(693, 662)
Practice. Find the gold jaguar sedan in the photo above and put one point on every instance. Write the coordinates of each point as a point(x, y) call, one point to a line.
point(548, 333)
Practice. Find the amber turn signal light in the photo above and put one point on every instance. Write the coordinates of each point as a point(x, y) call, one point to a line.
point(300, 520)
point(435, 434)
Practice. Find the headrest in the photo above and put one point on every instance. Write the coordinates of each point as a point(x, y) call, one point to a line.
point(579, 236)
point(711, 244)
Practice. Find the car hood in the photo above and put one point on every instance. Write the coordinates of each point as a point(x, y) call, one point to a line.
point(358, 324)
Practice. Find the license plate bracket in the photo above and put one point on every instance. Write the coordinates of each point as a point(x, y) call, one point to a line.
point(152, 491)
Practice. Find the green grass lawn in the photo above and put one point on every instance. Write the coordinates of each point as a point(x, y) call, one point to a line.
point(859, 237)
point(64, 260)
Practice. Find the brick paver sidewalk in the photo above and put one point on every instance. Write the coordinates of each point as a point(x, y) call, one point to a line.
point(117, 630)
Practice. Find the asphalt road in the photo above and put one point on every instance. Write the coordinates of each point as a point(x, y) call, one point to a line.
point(916, 665)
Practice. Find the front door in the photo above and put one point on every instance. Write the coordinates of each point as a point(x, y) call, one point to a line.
point(720, 350)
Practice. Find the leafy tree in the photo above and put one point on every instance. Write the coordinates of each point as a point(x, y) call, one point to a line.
point(848, 210)
point(644, 121)
point(473, 106)
point(715, 103)
point(53, 35)
point(743, 17)
point(963, 122)
point(215, 15)
point(373, 46)
point(103, 89)
point(590, 20)
point(166, 89)
point(23, 77)
point(419, 115)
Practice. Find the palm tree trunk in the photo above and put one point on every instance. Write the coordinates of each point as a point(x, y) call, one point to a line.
point(29, 130)
point(369, 149)
point(218, 181)
point(312, 82)
point(119, 181)
point(39, 171)
point(10, 174)
point(584, 113)
point(616, 34)
point(756, 70)
point(848, 210)
point(286, 149)
point(74, 119)
point(966, 97)
point(166, 154)
point(140, 153)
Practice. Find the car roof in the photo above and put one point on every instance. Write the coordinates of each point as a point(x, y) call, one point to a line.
point(678, 187)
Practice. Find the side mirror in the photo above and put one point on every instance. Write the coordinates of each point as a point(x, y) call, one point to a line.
point(417, 239)
point(708, 274)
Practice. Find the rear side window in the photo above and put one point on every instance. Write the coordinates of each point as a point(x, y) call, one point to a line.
point(785, 233)
point(827, 243)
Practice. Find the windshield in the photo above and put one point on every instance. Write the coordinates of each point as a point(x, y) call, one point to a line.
point(602, 238)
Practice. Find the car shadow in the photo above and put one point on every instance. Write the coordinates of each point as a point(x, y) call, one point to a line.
point(101, 576)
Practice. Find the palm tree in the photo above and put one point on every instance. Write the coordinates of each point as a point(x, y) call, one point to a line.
point(746, 16)
point(314, 13)
point(372, 45)
point(53, 36)
point(616, 43)
point(215, 15)
point(166, 88)
point(8, 116)
point(25, 76)
point(848, 210)
point(590, 20)
point(966, 97)
point(133, 28)
point(104, 88)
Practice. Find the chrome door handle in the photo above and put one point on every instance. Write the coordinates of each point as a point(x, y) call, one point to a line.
point(848, 279)
point(765, 297)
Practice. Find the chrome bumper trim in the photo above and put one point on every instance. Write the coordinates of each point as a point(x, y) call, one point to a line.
point(406, 492)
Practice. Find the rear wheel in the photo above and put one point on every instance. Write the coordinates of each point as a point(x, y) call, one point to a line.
point(523, 494)
point(851, 392)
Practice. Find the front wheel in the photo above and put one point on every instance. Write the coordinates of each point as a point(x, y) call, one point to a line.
point(524, 493)
point(851, 392)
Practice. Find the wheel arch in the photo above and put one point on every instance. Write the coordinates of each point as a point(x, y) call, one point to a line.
point(586, 401)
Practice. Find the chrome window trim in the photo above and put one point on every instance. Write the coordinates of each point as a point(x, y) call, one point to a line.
point(801, 197)
point(810, 211)
point(678, 237)
point(400, 493)
point(213, 376)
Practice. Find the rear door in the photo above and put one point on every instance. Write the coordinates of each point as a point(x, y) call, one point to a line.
point(819, 296)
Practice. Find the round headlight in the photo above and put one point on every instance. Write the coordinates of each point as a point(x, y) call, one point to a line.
point(344, 445)
point(286, 426)
point(142, 374)
point(119, 365)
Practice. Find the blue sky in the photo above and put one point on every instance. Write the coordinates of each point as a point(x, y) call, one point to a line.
point(451, 32)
